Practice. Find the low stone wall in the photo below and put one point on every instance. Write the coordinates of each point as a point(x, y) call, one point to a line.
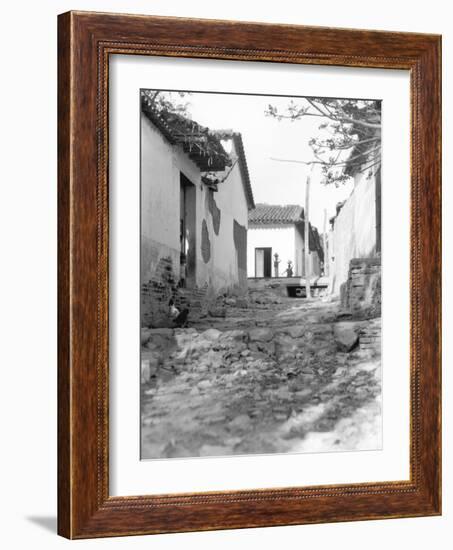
point(361, 293)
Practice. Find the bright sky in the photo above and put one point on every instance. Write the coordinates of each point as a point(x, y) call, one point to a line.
point(265, 137)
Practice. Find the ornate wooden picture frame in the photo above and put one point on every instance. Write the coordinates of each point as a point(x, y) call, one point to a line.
point(85, 507)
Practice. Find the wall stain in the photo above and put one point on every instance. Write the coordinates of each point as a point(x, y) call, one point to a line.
point(240, 242)
point(205, 242)
point(214, 210)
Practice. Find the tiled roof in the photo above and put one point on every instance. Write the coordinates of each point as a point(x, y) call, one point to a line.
point(276, 214)
point(237, 137)
point(202, 146)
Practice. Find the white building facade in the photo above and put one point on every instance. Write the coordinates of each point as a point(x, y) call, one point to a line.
point(275, 229)
point(195, 198)
point(356, 228)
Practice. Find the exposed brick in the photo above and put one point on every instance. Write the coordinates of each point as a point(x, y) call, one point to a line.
point(361, 293)
point(156, 293)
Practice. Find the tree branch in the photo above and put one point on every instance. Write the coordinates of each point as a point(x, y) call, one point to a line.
point(349, 146)
point(313, 104)
point(340, 119)
point(326, 162)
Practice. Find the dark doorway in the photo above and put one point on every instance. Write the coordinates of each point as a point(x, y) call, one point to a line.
point(187, 232)
point(263, 262)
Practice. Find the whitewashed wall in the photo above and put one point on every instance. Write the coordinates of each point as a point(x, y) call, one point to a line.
point(222, 270)
point(161, 164)
point(160, 188)
point(280, 239)
point(354, 233)
point(314, 268)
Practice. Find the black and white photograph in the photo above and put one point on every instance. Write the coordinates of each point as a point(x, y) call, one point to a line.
point(260, 274)
point(225, 275)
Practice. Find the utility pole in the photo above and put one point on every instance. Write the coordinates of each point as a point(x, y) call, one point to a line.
point(307, 237)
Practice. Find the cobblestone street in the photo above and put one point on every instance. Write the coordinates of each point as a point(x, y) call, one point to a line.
point(273, 375)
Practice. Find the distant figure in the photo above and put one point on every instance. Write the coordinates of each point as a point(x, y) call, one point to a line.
point(180, 318)
point(289, 269)
point(276, 262)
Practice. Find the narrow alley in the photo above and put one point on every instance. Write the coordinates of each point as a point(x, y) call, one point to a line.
point(273, 374)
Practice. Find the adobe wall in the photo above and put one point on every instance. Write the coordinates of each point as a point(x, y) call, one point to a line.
point(354, 232)
point(221, 219)
point(222, 224)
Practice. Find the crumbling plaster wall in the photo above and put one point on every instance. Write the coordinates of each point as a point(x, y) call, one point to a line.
point(161, 165)
point(220, 210)
point(354, 232)
point(361, 294)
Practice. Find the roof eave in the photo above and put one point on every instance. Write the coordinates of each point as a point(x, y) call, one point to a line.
point(239, 145)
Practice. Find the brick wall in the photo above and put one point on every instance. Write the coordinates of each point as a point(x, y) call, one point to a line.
point(370, 336)
point(157, 292)
point(163, 286)
point(361, 293)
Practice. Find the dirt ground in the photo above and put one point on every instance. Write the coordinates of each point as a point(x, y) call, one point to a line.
point(276, 375)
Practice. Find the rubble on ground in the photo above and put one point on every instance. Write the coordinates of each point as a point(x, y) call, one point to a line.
point(260, 380)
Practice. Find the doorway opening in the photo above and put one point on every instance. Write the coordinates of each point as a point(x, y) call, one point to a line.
point(187, 232)
point(263, 262)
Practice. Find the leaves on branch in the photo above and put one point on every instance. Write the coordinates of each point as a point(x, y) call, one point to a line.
point(166, 102)
point(350, 128)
